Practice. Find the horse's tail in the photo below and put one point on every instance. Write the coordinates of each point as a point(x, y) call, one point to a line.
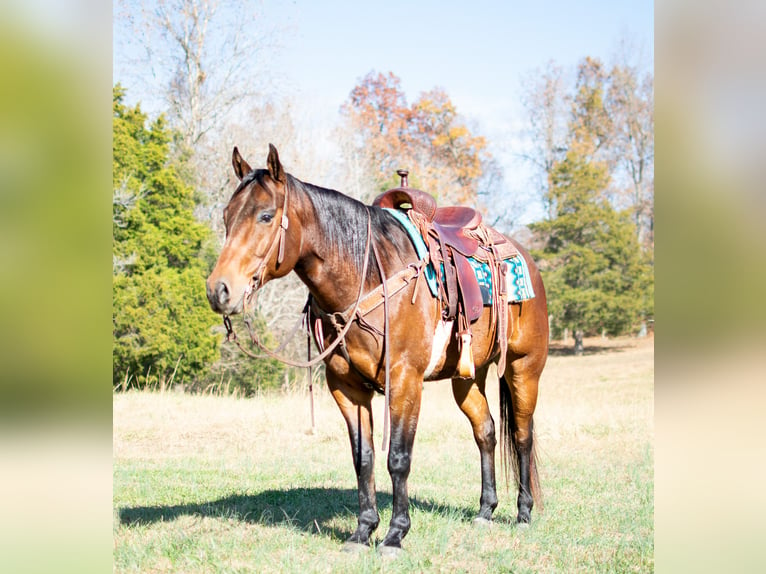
point(509, 454)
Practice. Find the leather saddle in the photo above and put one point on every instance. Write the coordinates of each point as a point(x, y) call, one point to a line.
point(449, 223)
point(452, 235)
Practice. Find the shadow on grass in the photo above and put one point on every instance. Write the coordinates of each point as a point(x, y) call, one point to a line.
point(562, 350)
point(308, 509)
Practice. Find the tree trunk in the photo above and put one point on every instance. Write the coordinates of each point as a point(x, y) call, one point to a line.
point(578, 346)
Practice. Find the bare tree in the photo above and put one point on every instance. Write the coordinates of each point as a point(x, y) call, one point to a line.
point(631, 104)
point(202, 56)
point(207, 62)
point(545, 101)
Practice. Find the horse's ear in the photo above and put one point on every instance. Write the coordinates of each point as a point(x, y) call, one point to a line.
point(241, 167)
point(275, 168)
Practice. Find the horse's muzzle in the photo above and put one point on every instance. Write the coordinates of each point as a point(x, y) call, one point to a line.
point(218, 295)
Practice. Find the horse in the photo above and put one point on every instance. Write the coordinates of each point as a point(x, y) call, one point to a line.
point(276, 224)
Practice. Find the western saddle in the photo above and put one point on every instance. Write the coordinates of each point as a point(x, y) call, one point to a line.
point(452, 235)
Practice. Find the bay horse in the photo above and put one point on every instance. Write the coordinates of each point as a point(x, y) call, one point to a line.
point(276, 224)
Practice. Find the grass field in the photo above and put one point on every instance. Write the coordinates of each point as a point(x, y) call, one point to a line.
point(219, 484)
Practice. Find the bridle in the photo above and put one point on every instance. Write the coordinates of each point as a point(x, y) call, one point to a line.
point(232, 336)
point(278, 241)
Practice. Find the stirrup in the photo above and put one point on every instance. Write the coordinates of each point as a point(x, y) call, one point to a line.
point(465, 366)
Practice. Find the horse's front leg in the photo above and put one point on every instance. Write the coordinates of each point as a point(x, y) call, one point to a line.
point(355, 403)
point(405, 409)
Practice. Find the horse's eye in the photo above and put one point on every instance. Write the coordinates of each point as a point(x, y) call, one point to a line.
point(265, 217)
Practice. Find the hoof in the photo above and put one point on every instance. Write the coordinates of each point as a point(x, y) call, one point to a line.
point(354, 547)
point(480, 522)
point(522, 525)
point(389, 552)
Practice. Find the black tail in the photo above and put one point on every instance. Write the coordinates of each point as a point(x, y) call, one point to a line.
point(508, 453)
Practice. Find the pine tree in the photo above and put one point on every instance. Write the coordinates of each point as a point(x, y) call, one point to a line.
point(596, 278)
point(161, 319)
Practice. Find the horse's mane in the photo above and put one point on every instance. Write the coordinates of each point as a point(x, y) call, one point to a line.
point(343, 221)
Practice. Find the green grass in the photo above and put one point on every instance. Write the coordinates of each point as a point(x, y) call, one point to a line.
point(217, 484)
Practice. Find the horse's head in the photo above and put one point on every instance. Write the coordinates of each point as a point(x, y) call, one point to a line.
point(256, 232)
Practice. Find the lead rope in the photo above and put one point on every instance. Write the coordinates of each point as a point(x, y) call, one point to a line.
point(387, 407)
point(311, 373)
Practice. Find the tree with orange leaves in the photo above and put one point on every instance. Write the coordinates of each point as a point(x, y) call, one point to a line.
point(428, 138)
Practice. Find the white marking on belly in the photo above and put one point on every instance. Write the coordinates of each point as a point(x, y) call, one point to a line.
point(440, 342)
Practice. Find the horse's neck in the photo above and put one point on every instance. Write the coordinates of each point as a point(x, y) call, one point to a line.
point(332, 279)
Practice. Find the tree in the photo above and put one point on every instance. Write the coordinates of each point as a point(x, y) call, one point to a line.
point(202, 58)
point(614, 108)
point(595, 181)
point(163, 328)
point(630, 102)
point(544, 100)
point(429, 138)
point(452, 158)
point(590, 119)
point(595, 274)
point(161, 319)
point(208, 63)
point(377, 109)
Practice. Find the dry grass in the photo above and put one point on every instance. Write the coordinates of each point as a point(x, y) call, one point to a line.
point(222, 484)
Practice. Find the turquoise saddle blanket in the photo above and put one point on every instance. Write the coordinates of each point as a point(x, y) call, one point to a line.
point(517, 275)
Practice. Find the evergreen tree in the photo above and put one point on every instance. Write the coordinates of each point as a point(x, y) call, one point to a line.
point(161, 319)
point(596, 277)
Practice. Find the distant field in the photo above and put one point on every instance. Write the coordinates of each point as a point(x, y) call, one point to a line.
point(218, 484)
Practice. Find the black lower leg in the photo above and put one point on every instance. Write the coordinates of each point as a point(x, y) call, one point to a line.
point(399, 460)
point(368, 512)
point(488, 498)
point(364, 464)
point(524, 501)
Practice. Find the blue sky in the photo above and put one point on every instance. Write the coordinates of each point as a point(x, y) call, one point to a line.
point(476, 50)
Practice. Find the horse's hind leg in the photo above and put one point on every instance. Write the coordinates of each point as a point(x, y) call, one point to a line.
point(518, 398)
point(470, 397)
point(356, 406)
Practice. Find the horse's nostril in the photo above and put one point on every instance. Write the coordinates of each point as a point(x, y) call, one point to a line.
point(222, 292)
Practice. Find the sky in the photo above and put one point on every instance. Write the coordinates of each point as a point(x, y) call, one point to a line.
point(478, 51)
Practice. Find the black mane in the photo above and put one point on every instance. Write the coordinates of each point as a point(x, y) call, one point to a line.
point(343, 221)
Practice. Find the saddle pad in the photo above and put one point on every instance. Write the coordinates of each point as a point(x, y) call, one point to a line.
point(517, 275)
point(420, 245)
point(516, 279)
